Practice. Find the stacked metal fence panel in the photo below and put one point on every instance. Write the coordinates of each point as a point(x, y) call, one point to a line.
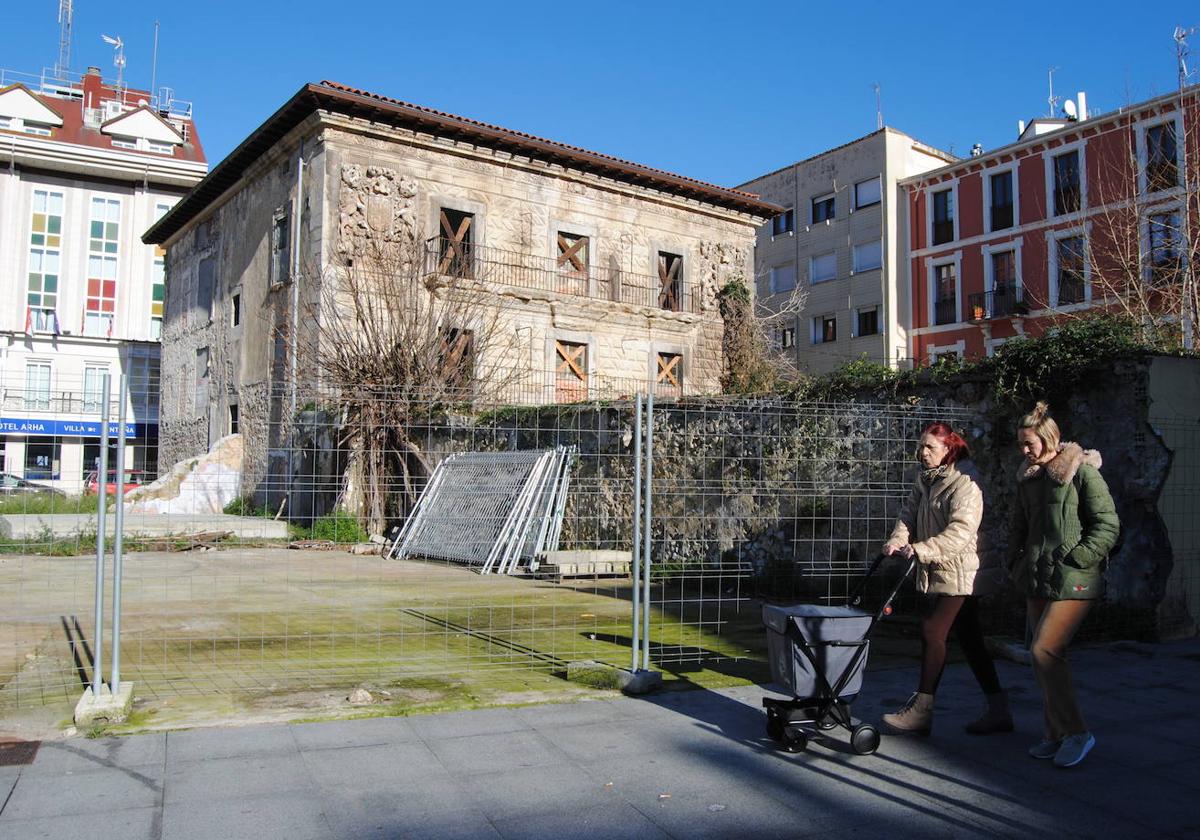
point(495, 511)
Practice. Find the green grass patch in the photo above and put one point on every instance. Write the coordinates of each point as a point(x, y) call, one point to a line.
point(46, 503)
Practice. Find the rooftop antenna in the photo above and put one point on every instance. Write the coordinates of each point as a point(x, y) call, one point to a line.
point(63, 66)
point(1053, 100)
point(154, 69)
point(1181, 52)
point(119, 59)
point(878, 107)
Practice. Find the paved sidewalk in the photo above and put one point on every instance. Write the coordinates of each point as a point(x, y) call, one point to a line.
point(682, 765)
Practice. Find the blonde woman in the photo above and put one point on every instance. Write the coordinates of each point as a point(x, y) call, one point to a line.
point(1064, 526)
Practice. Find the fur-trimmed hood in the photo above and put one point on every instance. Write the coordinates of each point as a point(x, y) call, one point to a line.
point(1062, 467)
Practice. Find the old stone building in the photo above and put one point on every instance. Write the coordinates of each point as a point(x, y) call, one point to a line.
point(605, 273)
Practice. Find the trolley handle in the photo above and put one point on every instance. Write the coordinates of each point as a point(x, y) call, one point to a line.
point(886, 609)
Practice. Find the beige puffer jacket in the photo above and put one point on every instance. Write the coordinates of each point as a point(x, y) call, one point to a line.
point(941, 519)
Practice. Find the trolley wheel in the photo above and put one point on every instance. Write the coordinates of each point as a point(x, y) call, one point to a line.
point(794, 739)
point(864, 739)
point(775, 726)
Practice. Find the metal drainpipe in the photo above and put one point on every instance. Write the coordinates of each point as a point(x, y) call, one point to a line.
point(119, 537)
point(101, 511)
point(647, 516)
point(294, 327)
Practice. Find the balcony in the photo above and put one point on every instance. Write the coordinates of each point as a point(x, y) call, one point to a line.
point(526, 271)
point(143, 407)
point(1003, 302)
point(945, 311)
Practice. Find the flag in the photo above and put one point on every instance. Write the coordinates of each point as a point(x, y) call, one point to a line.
point(28, 320)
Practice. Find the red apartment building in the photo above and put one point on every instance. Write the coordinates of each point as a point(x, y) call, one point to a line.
point(1076, 215)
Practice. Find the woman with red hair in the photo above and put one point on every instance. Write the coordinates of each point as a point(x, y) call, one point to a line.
point(939, 525)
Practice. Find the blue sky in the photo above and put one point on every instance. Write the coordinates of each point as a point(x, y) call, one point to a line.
point(717, 91)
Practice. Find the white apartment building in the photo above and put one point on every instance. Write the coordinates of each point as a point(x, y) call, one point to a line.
point(843, 239)
point(85, 167)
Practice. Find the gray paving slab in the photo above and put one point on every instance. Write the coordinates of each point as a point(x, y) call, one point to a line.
point(468, 724)
point(127, 824)
point(203, 744)
point(379, 768)
point(235, 778)
point(533, 791)
point(417, 810)
point(80, 755)
point(616, 821)
point(280, 816)
point(94, 792)
point(354, 733)
point(496, 753)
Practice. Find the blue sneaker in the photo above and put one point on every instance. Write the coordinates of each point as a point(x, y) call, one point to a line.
point(1074, 748)
point(1045, 749)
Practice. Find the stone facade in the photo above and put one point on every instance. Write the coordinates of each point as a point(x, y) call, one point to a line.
point(354, 184)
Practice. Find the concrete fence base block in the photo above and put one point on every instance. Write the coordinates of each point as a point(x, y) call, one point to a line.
point(106, 707)
point(639, 681)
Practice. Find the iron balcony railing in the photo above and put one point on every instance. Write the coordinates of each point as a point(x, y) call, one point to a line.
point(945, 311)
point(1070, 289)
point(998, 303)
point(144, 406)
point(528, 271)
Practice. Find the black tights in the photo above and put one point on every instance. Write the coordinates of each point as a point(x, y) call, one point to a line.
point(961, 612)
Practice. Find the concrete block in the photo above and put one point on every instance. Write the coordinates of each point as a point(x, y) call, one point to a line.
point(106, 707)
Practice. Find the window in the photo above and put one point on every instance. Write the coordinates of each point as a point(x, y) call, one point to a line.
point(787, 338)
point(45, 253)
point(91, 459)
point(160, 148)
point(783, 278)
point(1162, 165)
point(823, 208)
point(1067, 194)
point(38, 129)
point(94, 378)
point(458, 357)
point(572, 263)
point(868, 255)
point(1003, 266)
point(120, 142)
point(103, 246)
point(943, 216)
point(570, 371)
point(235, 310)
point(233, 418)
point(822, 267)
point(43, 458)
point(1000, 213)
point(143, 369)
point(670, 281)
point(824, 329)
point(1070, 275)
point(6, 123)
point(455, 240)
point(867, 322)
point(945, 294)
point(867, 193)
point(280, 242)
point(785, 222)
point(1163, 237)
point(37, 386)
point(158, 291)
point(669, 375)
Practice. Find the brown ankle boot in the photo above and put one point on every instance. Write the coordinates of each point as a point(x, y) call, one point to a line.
point(915, 717)
point(996, 718)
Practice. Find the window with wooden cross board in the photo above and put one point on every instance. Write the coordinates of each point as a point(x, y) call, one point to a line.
point(458, 356)
point(670, 370)
point(670, 267)
point(572, 263)
point(455, 240)
point(570, 363)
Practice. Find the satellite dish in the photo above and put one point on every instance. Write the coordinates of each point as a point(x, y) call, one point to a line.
point(1069, 110)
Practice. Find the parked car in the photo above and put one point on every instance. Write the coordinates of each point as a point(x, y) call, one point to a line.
point(13, 484)
point(133, 480)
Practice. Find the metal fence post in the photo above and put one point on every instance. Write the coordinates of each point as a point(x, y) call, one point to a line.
point(636, 565)
point(118, 538)
point(101, 511)
point(648, 514)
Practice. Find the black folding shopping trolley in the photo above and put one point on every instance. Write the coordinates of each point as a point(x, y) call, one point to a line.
point(818, 652)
